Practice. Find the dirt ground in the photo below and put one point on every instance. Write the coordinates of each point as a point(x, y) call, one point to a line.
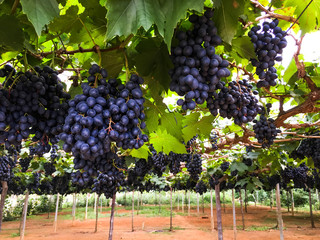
point(259, 224)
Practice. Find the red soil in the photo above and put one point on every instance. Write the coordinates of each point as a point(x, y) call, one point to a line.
point(156, 228)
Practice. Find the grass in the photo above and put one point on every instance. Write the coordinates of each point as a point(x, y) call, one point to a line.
point(13, 235)
point(257, 228)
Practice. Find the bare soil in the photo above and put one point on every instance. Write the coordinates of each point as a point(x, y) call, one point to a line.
point(260, 223)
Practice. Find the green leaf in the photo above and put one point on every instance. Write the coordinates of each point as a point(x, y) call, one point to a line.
point(226, 17)
point(162, 141)
point(174, 10)
point(1, 1)
point(153, 61)
point(152, 117)
point(73, 91)
point(142, 152)
point(290, 71)
point(113, 61)
point(240, 166)
point(308, 20)
point(11, 37)
point(244, 47)
point(40, 12)
point(127, 16)
point(66, 23)
point(202, 127)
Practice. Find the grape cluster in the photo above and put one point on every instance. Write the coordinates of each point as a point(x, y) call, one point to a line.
point(194, 166)
point(174, 160)
point(159, 162)
point(265, 130)
point(6, 166)
point(247, 161)
point(191, 144)
point(224, 166)
point(269, 41)
point(25, 162)
point(197, 69)
point(300, 175)
point(273, 180)
point(49, 168)
point(80, 178)
point(235, 101)
point(309, 147)
point(201, 187)
point(214, 141)
point(34, 185)
point(109, 113)
point(31, 103)
point(109, 181)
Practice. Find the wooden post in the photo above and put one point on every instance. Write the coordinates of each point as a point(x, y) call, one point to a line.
point(224, 201)
point(182, 203)
point(49, 202)
point(159, 202)
point(125, 198)
point(24, 215)
point(292, 202)
point(189, 203)
point(95, 202)
point(245, 200)
point(257, 197)
point(288, 204)
point(170, 209)
point(112, 216)
point(100, 204)
point(3, 197)
point(86, 212)
point(97, 216)
point(234, 216)
point(74, 209)
point(218, 207)
point(271, 202)
point(202, 204)
point(311, 214)
point(242, 213)
point(141, 199)
point(56, 215)
point(132, 229)
point(279, 214)
point(211, 211)
point(198, 203)
point(138, 203)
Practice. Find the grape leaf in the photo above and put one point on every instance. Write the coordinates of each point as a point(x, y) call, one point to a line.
point(226, 17)
point(308, 20)
point(202, 127)
point(153, 61)
point(67, 22)
point(112, 61)
point(244, 47)
point(175, 10)
point(127, 16)
point(162, 141)
point(152, 116)
point(40, 12)
point(11, 36)
point(142, 152)
point(73, 91)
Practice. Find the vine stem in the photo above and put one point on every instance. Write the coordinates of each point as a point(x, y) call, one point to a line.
point(96, 47)
point(299, 16)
